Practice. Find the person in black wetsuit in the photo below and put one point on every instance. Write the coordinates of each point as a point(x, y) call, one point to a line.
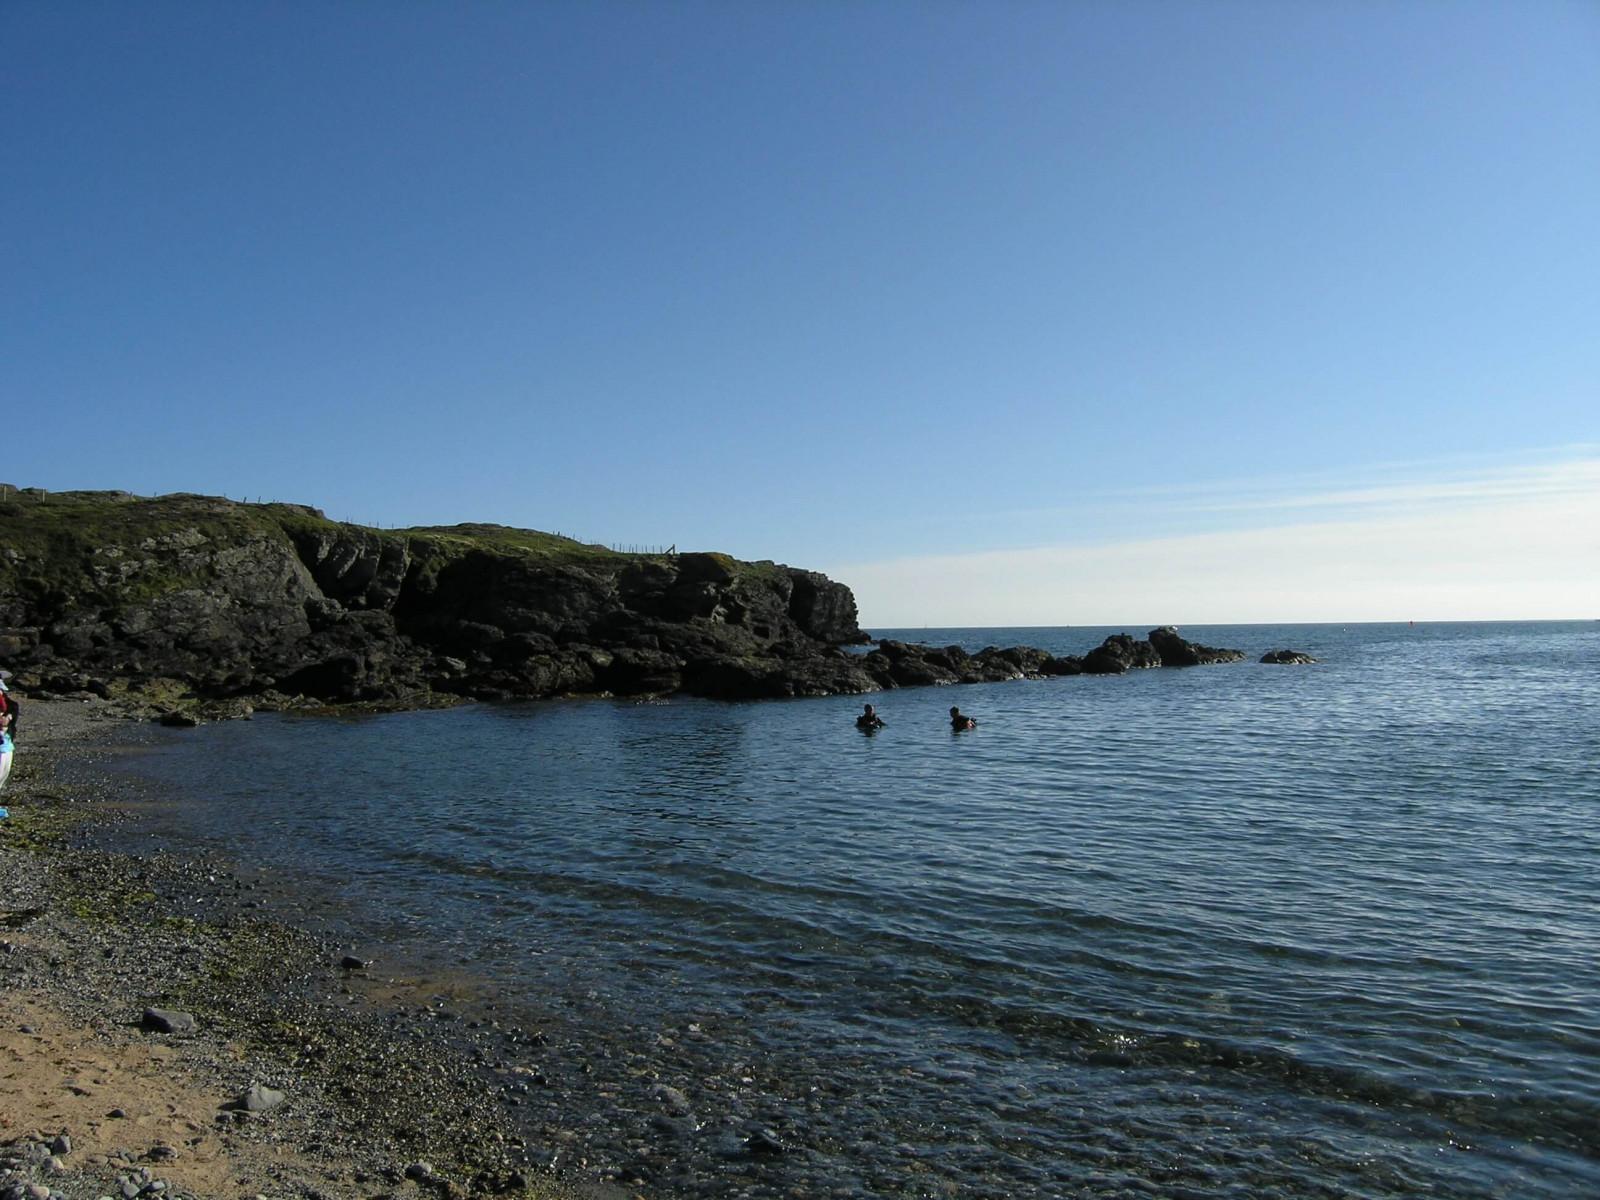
point(958, 721)
point(869, 720)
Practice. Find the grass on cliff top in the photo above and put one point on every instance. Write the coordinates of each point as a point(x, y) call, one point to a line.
point(504, 539)
point(52, 543)
point(59, 535)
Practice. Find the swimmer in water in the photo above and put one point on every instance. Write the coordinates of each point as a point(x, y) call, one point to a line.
point(869, 720)
point(959, 722)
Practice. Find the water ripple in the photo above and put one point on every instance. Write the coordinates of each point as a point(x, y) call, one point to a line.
point(1330, 931)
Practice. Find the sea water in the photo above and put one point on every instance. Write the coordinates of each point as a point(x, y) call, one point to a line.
point(1238, 930)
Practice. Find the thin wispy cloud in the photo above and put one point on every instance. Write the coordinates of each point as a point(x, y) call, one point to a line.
point(1393, 486)
point(1518, 541)
point(1511, 483)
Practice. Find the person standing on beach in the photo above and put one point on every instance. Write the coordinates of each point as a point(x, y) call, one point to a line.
point(8, 726)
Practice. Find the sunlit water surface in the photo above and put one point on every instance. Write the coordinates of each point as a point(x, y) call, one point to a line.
point(1233, 930)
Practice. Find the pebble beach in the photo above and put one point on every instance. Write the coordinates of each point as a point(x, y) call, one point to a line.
point(161, 1036)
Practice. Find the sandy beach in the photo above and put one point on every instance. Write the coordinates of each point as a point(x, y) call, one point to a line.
point(162, 1036)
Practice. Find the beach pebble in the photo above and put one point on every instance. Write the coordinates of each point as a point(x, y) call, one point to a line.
point(676, 1128)
point(259, 1099)
point(62, 1145)
point(765, 1141)
point(672, 1098)
point(419, 1171)
point(162, 1020)
point(351, 963)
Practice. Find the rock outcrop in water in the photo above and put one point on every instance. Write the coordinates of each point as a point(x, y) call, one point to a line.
point(898, 664)
point(248, 604)
point(1292, 658)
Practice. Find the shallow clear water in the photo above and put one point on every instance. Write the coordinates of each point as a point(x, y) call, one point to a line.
point(1232, 930)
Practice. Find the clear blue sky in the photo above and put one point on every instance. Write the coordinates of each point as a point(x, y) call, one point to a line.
point(833, 283)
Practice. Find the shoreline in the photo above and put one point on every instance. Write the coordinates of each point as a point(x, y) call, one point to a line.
point(389, 1086)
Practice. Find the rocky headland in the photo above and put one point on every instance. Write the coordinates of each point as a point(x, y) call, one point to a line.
point(104, 592)
point(189, 606)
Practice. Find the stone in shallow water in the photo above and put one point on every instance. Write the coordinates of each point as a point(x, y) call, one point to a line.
point(765, 1141)
point(672, 1098)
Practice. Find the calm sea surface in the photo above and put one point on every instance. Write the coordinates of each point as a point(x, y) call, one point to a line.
point(1228, 931)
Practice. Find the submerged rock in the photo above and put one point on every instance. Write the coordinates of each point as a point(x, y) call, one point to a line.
point(1287, 657)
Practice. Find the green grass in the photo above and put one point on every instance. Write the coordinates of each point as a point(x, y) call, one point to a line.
point(99, 550)
point(82, 548)
point(515, 541)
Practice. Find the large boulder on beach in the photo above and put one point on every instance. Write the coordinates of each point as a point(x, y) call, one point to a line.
point(164, 1020)
point(258, 1098)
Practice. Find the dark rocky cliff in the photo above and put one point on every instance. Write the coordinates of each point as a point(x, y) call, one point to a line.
point(199, 597)
point(102, 589)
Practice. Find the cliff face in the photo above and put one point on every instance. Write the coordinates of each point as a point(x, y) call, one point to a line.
point(233, 599)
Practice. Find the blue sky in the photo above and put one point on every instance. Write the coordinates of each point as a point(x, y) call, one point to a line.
point(886, 290)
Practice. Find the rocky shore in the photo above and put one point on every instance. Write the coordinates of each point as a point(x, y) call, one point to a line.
point(196, 607)
point(162, 1035)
